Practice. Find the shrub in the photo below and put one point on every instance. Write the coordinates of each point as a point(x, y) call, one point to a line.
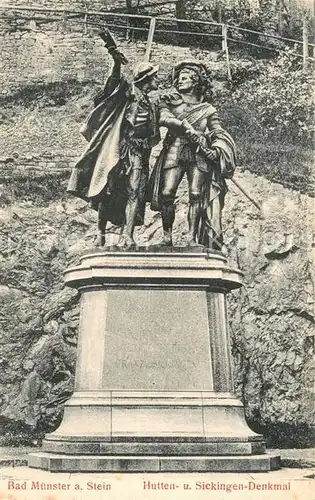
point(279, 105)
point(268, 109)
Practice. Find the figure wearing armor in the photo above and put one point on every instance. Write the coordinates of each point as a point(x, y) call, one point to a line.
point(198, 146)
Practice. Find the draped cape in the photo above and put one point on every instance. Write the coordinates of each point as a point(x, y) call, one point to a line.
point(100, 172)
point(102, 129)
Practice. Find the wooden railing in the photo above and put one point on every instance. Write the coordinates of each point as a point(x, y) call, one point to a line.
point(126, 22)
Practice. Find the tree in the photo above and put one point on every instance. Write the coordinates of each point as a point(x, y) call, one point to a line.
point(132, 6)
point(181, 13)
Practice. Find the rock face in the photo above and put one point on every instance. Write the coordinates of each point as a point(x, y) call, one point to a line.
point(272, 326)
point(38, 316)
point(271, 318)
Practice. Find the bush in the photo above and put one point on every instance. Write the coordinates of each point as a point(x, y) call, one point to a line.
point(17, 433)
point(279, 104)
point(268, 110)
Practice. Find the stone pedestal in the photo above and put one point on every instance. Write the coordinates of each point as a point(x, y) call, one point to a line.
point(153, 388)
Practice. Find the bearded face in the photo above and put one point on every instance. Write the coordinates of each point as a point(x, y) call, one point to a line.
point(187, 80)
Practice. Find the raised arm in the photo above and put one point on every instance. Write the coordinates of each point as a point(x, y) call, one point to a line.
point(118, 57)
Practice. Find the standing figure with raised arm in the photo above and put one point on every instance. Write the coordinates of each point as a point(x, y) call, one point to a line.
point(123, 127)
point(198, 146)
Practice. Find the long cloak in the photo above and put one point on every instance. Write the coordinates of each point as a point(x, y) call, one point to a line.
point(103, 131)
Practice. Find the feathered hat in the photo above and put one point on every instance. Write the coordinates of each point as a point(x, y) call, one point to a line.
point(199, 68)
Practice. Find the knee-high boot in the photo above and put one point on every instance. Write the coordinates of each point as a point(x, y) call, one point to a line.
point(168, 217)
point(101, 225)
point(193, 221)
point(126, 237)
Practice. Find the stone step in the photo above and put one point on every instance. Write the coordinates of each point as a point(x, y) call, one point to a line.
point(290, 458)
point(129, 463)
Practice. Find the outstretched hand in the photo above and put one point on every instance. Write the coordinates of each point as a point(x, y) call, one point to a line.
point(111, 46)
point(193, 136)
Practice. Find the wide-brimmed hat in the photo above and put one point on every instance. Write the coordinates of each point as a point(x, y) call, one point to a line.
point(144, 70)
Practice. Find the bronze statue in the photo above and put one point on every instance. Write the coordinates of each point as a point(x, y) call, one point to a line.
point(113, 171)
point(197, 145)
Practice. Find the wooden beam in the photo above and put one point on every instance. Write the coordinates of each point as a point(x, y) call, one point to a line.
point(150, 40)
point(305, 42)
point(225, 48)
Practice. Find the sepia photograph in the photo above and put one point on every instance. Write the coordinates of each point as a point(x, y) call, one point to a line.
point(157, 249)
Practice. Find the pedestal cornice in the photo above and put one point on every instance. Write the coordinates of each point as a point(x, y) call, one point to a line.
point(163, 269)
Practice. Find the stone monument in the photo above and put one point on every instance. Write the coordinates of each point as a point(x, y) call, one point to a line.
point(153, 386)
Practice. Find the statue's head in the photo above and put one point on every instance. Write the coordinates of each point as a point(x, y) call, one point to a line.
point(145, 75)
point(191, 76)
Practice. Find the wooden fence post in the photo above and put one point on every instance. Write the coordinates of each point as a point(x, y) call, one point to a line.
point(150, 40)
point(64, 20)
point(225, 49)
point(305, 42)
point(127, 30)
point(223, 37)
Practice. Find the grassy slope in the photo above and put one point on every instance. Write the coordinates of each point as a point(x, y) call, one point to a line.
point(289, 164)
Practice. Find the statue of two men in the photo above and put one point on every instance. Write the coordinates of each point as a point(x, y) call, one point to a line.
point(122, 129)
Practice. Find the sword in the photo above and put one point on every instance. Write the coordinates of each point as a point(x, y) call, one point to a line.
point(206, 151)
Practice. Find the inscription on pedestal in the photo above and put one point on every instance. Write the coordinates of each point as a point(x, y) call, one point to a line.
point(156, 339)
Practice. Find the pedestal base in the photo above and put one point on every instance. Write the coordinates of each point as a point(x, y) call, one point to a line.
point(153, 388)
point(153, 432)
point(133, 463)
